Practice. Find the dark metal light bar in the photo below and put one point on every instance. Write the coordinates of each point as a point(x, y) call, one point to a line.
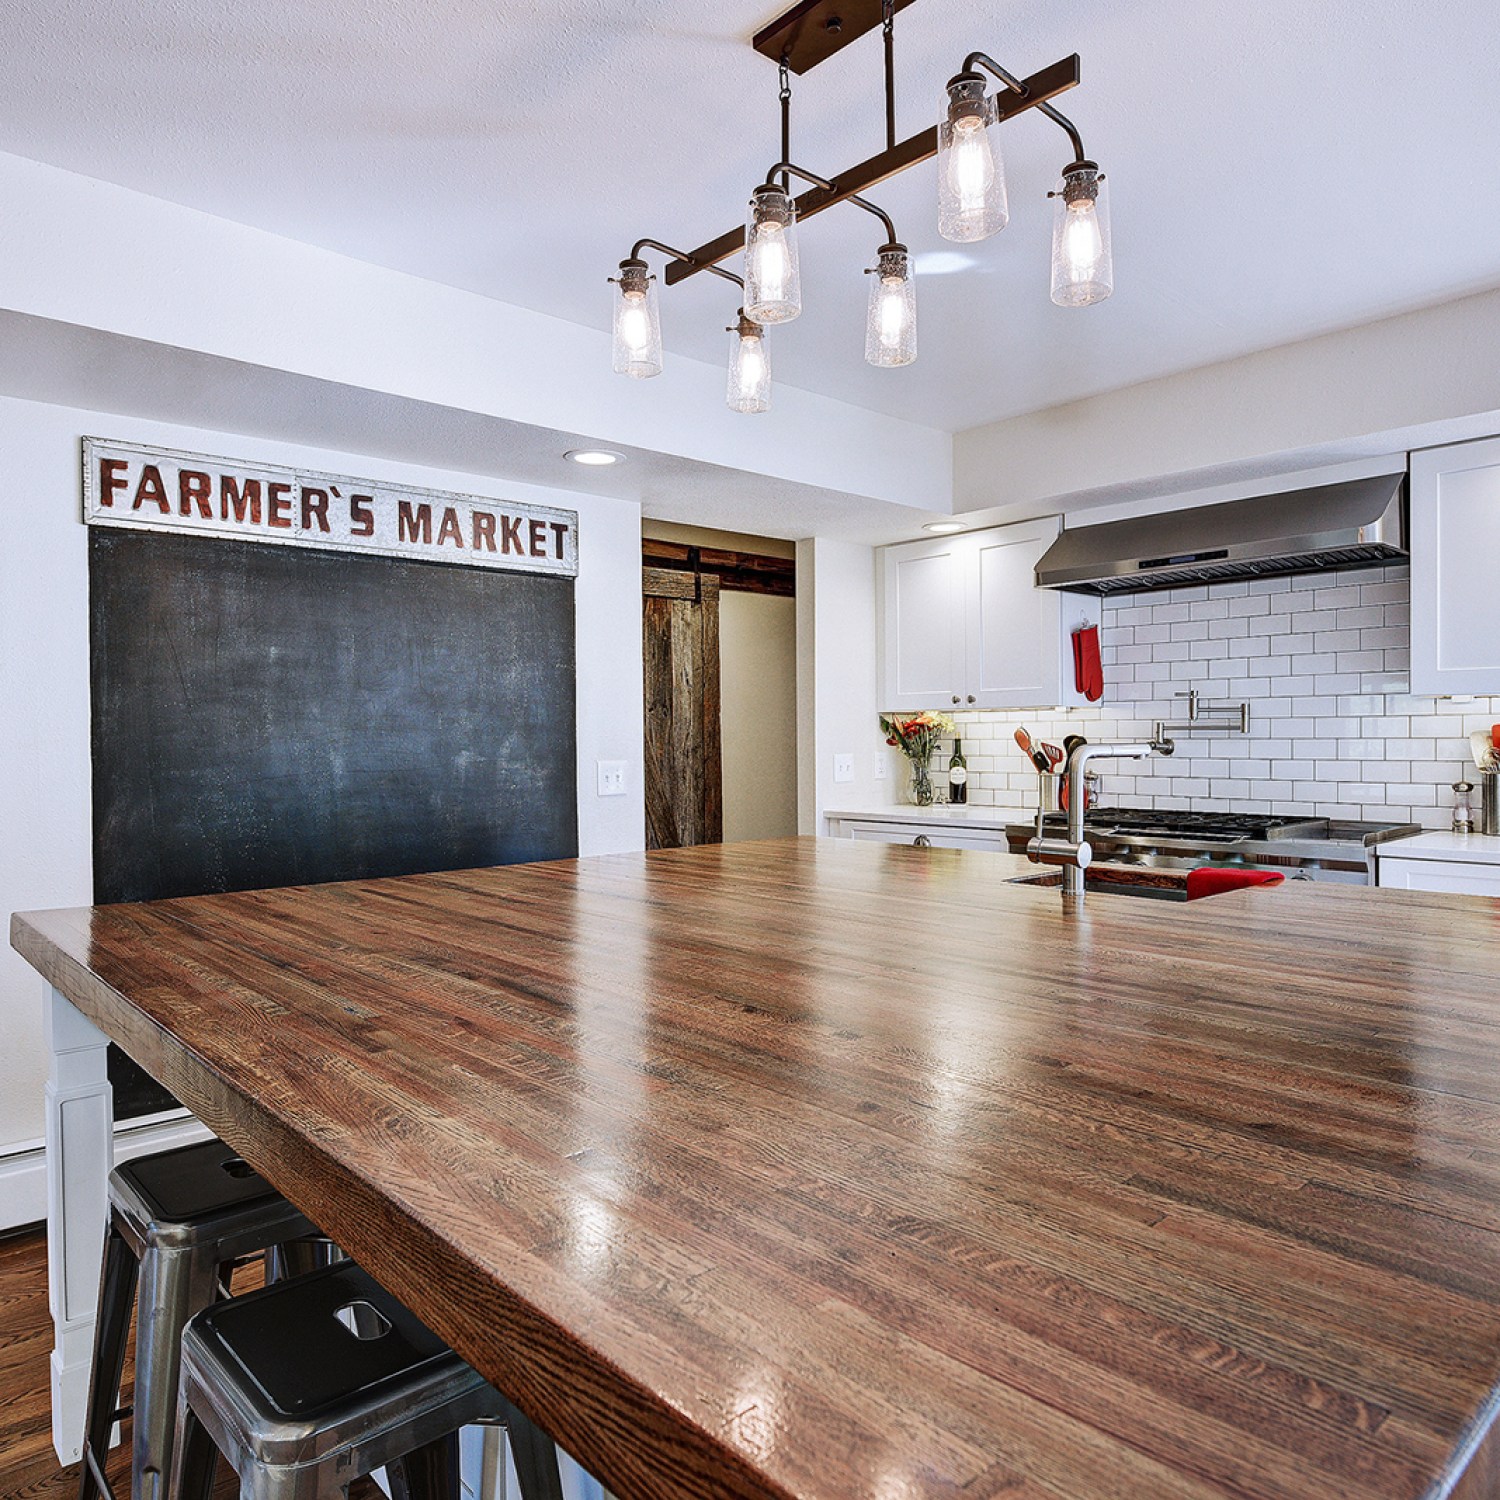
point(1039, 88)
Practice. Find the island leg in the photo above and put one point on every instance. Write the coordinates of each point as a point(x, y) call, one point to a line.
point(80, 1135)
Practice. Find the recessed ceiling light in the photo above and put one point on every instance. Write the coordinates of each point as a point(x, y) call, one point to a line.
point(942, 528)
point(595, 457)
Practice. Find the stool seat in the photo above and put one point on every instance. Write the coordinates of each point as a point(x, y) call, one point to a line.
point(313, 1382)
point(176, 1219)
point(192, 1182)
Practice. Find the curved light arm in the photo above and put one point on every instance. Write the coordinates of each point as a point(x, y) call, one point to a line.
point(823, 182)
point(682, 255)
point(984, 60)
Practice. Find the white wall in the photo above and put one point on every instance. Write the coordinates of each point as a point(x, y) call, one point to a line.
point(44, 678)
point(758, 714)
point(88, 253)
point(837, 712)
point(1425, 377)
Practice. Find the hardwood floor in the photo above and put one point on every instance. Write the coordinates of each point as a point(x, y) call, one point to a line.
point(28, 1466)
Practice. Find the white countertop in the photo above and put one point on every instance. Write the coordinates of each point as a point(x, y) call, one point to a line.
point(942, 816)
point(1464, 848)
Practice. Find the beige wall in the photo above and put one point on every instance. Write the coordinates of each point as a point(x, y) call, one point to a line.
point(757, 692)
point(758, 714)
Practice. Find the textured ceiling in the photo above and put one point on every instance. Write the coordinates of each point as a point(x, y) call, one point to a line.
point(1277, 169)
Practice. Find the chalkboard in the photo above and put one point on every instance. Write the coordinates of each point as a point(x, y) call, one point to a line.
point(278, 716)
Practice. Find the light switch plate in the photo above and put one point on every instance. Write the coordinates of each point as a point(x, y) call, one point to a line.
point(843, 768)
point(611, 778)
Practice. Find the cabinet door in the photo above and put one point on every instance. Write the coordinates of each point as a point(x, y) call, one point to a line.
point(921, 639)
point(1455, 568)
point(1456, 876)
point(1013, 646)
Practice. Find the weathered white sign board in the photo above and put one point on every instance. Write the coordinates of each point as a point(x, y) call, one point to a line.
point(159, 489)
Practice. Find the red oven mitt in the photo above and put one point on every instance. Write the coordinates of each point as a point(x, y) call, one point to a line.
point(1088, 673)
point(1212, 880)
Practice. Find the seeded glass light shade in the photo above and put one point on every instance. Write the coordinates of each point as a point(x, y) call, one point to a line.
point(773, 284)
point(749, 368)
point(1083, 269)
point(891, 324)
point(972, 204)
point(637, 325)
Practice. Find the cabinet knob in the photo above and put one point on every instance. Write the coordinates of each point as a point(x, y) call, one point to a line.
point(955, 697)
point(922, 841)
point(971, 697)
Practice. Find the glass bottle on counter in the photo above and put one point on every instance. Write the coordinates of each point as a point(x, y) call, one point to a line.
point(1463, 807)
point(958, 774)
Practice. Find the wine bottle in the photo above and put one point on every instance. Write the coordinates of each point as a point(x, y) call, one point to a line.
point(958, 774)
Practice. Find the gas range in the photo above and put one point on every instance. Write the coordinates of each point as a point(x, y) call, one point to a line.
point(1305, 848)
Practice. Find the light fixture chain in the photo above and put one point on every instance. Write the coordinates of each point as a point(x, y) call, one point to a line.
point(786, 122)
point(888, 30)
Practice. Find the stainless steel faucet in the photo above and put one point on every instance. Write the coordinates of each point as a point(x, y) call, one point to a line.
point(1074, 853)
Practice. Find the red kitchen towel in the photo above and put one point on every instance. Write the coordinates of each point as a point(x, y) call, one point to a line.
point(1211, 880)
point(1088, 673)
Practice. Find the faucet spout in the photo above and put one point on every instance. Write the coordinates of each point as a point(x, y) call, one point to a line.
point(1076, 853)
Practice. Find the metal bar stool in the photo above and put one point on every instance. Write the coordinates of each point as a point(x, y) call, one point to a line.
point(314, 1382)
point(177, 1220)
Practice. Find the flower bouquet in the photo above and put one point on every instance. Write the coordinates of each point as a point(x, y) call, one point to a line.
point(916, 737)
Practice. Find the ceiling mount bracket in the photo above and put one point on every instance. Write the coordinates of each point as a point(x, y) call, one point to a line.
point(814, 30)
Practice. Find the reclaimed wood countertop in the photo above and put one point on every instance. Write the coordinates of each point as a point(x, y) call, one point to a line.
point(828, 1169)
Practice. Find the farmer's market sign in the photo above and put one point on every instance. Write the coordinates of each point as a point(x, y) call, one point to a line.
point(159, 489)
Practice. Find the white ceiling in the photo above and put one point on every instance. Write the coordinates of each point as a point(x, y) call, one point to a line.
point(1278, 169)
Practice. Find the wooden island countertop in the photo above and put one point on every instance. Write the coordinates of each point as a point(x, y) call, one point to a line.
point(839, 1170)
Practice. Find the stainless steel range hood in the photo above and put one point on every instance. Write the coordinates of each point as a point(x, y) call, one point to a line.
point(1358, 524)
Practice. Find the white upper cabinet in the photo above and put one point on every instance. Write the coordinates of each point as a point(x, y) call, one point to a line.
point(1455, 568)
point(922, 665)
point(963, 624)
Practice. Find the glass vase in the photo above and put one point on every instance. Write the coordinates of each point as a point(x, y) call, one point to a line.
point(921, 781)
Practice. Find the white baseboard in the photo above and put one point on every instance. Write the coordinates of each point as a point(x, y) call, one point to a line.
point(23, 1172)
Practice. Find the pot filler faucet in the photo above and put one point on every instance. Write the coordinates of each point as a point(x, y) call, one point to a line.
point(1074, 853)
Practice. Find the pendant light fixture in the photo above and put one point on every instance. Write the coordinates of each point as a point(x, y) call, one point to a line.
point(891, 323)
point(638, 331)
point(1083, 271)
point(972, 205)
point(749, 366)
point(637, 322)
point(971, 173)
point(773, 281)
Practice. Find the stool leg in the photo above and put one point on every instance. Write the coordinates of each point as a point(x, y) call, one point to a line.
point(427, 1473)
point(111, 1330)
point(297, 1257)
point(195, 1459)
point(534, 1455)
point(175, 1284)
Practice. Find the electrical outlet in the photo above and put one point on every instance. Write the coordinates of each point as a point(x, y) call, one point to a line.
point(611, 778)
point(880, 766)
point(843, 768)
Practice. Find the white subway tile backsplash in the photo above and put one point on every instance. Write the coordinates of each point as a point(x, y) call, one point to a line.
point(1322, 661)
point(1251, 605)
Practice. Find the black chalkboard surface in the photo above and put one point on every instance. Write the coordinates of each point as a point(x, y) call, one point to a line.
point(277, 716)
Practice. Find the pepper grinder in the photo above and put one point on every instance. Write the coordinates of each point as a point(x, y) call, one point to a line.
point(1463, 807)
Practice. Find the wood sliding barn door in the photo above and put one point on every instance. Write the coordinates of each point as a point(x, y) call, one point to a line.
point(684, 793)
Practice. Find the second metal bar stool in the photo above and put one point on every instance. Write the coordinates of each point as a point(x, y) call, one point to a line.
point(176, 1219)
point(314, 1382)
